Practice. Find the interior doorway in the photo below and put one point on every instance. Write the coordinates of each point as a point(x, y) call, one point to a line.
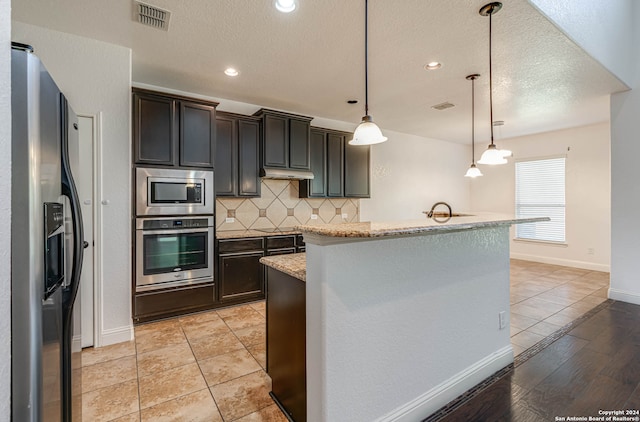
point(83, 171)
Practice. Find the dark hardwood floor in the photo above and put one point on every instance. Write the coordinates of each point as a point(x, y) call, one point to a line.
point(595, 366)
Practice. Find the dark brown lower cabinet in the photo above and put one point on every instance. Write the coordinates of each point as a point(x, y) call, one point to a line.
point(153, 305)
point(286, 342)
point(240, 274)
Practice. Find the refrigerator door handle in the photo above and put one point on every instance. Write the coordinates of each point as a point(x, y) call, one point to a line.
point(69, 190)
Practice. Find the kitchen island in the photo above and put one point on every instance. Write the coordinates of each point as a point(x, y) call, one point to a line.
point(403, 317)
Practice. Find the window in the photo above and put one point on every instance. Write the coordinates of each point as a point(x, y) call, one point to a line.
point(540, 193)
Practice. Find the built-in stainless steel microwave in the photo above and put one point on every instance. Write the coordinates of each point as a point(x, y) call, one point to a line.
point(173, 192)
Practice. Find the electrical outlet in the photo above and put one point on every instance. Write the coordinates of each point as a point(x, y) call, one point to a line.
point(590, 251)
point(345, 215)
point(502, 317)
point(229, 220)
point(314, 216)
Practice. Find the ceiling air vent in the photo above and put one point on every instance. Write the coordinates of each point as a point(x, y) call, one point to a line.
point(150, 15)
point(443, 106)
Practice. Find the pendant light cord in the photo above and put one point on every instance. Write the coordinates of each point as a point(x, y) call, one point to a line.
point(490, 83)
point(366, 58)
point(473, 127)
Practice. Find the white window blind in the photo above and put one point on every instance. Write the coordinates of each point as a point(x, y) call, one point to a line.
point(540, 193)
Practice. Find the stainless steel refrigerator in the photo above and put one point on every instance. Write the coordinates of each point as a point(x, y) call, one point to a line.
point(45, 265)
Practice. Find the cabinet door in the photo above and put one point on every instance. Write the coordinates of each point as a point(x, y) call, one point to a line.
point(317, 187)
point(249, 161)
point(276, 141)
point(241, 275)
point(226, 157)
point(154, 129)
point(198, 129)
point(356, 171)
point(335, 159)
point(299, 144)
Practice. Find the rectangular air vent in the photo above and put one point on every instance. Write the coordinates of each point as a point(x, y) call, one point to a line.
point(443, 106)
point(150, 15)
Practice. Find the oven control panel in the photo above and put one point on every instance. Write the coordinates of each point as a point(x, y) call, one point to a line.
point(175, 223)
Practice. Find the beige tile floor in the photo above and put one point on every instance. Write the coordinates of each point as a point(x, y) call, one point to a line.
point(203, 367)
point(210, 366)
point(546, 297)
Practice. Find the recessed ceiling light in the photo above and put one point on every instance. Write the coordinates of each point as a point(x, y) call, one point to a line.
point(231, 72)
point(286, 6)
point(433, 65)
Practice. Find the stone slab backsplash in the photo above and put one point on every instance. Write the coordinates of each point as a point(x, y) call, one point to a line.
point(280, 206)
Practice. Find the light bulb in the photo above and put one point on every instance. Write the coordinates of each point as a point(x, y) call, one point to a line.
point(286, 6)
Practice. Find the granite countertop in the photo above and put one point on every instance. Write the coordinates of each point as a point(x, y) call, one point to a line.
point(411, 227)
point(294, 265)
point(239, 234)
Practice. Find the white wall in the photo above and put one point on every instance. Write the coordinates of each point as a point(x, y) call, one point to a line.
point(5, 209)
point(96, 78)
point(410, 173)
point(587, 192)
point(625, 197)
point(403, 324)
point(604, 29)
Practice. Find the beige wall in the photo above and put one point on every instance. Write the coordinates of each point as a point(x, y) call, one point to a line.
point(625, 199)
point(587, 190)
point(410, 173)
point(5, 209)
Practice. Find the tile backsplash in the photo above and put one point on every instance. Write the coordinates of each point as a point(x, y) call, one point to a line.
point(280, 206)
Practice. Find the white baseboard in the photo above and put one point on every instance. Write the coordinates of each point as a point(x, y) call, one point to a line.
point(116, 335)
point(624, 296)
point(565, 262)
point(429, 402)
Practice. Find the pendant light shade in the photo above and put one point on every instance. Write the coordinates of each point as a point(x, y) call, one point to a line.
point(473, 171)
point(492, 155)
point(367, 132)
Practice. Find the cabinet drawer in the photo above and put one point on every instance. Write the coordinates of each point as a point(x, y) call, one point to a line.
point(279, 242)
point(172, 302)
point(240, 245)
point(284, 251)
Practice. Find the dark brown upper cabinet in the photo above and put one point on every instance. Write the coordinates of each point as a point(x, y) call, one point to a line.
point(357, 159)
point(317, 187)
point(285, 140)
point(335, 164)
point(339, 169)
point(237, 155)
point(172, 130)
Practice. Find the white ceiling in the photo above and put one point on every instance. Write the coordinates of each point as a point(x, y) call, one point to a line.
point(311, 61)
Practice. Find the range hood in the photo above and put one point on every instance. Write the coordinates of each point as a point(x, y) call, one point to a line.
point(281, 173)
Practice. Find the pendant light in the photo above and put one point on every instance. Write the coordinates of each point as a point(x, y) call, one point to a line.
point(473, 171)
point(286, 6)
point(492, 155)
point(367, 132)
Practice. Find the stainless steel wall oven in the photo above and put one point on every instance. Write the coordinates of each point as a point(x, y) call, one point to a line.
point(173, 251)
point(174, 192)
